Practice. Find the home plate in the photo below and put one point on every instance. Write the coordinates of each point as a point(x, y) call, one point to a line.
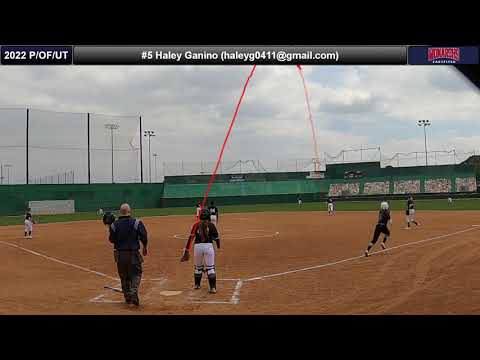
point(170, 293)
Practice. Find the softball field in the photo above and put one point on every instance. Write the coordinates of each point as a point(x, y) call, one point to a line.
point(269, 263)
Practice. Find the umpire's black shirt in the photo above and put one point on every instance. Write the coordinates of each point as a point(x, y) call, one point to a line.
point(126, 234)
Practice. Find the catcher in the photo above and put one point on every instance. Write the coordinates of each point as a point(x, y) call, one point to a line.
point(204, 233)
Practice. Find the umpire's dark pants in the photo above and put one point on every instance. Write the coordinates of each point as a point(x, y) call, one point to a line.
point(129, 265)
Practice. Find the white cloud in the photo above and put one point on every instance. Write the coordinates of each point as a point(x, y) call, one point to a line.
point(190, 107)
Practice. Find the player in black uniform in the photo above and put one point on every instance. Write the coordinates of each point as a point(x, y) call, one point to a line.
point(299, 200)
point(410, 212)
point(28, 224)
point(214, 216)
point(381, 227)
point(108, 218)
point(330, 206)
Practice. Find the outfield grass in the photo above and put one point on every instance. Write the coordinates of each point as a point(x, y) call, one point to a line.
point(439, 204)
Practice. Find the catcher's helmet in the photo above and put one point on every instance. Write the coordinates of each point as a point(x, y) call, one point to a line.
point(384, 205)
point(204, 214)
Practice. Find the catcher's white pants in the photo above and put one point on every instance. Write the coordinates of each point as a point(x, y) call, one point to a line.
point(28, 226)
point(330, 207)
point(204, 257)
point(213, 219)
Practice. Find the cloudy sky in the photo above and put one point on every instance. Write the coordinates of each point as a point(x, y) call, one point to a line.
point(190, 107)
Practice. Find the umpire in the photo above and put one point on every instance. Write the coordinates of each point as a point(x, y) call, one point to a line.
point(126, 233)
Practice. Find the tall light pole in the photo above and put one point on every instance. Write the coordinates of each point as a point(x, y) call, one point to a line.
point(112, 127)
point(149, 134)
point(425, 123)
point(155, 155)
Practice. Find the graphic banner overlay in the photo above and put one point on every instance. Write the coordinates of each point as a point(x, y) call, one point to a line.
point(36, 55)
point(446, 55)
point(240, 55)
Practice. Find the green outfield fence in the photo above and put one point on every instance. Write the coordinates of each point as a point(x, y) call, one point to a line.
point(232, 189)
point(15, 198)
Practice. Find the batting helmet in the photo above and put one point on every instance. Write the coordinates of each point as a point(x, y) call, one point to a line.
point(205, 214)
point(384, 205)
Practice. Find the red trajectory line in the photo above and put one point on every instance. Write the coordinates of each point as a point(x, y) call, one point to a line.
point(232, 122)
point(317, 158)
point(219, 160)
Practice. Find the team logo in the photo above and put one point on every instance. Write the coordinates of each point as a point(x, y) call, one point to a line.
point(444, 55)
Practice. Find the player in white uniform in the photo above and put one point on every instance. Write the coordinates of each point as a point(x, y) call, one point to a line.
point(28, 224)
point(410, 213)
point(213, 213)
point(203, 233)
point(197, 211)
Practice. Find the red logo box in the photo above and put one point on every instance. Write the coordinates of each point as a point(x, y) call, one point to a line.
point(444, 53)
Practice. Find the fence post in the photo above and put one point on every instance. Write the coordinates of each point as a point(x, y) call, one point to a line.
point(88, 145)
point(26, 145)
point(141, 151)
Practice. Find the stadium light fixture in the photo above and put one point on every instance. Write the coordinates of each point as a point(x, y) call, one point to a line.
point(155, 155)
point(149, 134)
point(112, 127)
point(425, 123)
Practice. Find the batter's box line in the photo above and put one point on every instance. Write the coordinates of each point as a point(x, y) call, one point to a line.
point(100, 299)
point(234, 299)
